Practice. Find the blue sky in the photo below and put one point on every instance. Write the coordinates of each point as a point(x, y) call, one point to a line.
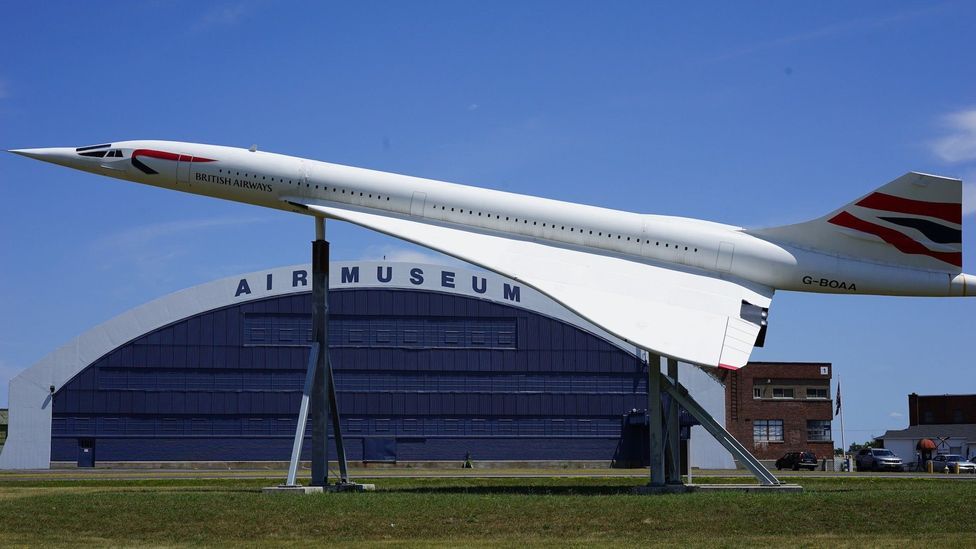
point(751, 113)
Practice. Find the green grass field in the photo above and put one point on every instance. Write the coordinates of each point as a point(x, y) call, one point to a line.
point(471, 511)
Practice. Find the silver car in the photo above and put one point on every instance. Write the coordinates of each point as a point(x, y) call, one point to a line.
point(878, 459)
point(943, 461)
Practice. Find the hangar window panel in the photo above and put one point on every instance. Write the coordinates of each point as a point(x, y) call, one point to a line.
point(110, 426)
point(284, 426)
point(274, 329)
point(140, 426)
point(109, 379)
point(170, 426)
point(226, 426)
point(196, 381)
point(199, 426)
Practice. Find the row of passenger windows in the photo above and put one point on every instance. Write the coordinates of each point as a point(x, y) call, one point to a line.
point(291, 182)
point(563, 228)
point(480, 214)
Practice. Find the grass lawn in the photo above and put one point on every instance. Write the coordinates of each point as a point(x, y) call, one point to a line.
point(470, 511)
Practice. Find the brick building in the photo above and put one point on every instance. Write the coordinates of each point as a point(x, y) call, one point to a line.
point(941, 409)
point(776, 407)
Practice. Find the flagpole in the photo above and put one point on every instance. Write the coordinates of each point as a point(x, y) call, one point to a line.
point(843, 439)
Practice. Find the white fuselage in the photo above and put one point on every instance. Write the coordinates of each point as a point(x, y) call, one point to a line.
point(273, 180)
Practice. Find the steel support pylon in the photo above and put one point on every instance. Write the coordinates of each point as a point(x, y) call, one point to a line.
point(319, 401)
point(664, 430)
point(655, 428)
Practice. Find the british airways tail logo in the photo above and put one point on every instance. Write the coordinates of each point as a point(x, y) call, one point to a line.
point(939, 223)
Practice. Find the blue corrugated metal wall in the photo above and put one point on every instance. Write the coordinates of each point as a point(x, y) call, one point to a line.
point(433, 375)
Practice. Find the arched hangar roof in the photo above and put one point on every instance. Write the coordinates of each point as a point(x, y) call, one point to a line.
point(28, 444)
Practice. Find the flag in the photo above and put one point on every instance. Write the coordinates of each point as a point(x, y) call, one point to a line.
point(837, 411)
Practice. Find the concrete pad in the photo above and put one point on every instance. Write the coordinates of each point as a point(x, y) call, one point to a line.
point(686, 488)
point(338, 487)
point(295, 490)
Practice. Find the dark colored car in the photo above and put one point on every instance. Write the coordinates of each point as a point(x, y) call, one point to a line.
point(797, 461)
point(878, 459)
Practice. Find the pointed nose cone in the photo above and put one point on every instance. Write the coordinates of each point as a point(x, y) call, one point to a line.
point(65, 156)
point(963, 285)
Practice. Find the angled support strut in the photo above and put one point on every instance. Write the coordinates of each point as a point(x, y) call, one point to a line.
point(738, 451)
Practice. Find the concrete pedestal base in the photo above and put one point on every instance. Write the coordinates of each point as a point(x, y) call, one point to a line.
point(297, 489)
point(338, 487)
point(685, 488)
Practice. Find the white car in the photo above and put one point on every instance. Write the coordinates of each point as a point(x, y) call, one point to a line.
point(943, 461)
point(878, 459)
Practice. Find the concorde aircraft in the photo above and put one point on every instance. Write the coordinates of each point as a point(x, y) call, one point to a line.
point(692, 290)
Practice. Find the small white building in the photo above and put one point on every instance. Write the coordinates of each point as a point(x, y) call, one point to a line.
point(957, 438)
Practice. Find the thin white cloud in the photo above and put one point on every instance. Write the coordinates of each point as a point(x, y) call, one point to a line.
point(225, 15)
point(399, 254)
point(896, 415)
point(153, 252)
point(142, 235)
point(960, 143)
point(830, 30)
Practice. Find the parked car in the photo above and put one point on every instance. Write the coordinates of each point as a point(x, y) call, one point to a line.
point(878, 459)
point(797, 460)
point(941, 461)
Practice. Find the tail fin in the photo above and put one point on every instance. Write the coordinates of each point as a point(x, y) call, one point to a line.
point(914, 221)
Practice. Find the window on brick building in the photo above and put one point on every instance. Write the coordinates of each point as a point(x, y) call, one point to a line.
point(818, 392)
point(818, 430)
point(782, 392)
point(767, 430)
point(757, 392)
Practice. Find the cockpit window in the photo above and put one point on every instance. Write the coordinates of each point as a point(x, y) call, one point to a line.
point(93, 147)
point(114, 153)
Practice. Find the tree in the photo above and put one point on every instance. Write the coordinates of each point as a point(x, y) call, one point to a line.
point(855, 447)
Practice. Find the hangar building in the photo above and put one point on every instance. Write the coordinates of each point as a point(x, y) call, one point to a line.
point(432, 363)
